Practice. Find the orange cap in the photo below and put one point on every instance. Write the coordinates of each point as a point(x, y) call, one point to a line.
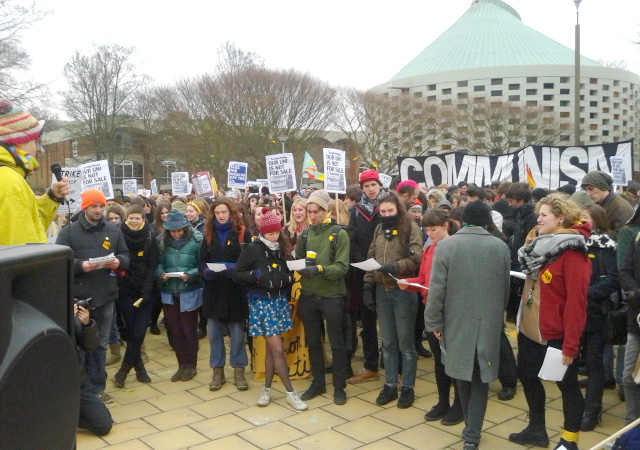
point(92, 197)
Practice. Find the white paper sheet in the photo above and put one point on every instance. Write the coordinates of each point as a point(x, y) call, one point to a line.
point(102, 260)
point(369, 264)
point(552, 368)
point(175, 274)
point(217, 267)
point(296, 264)
point(402, 281)
point(518, 275)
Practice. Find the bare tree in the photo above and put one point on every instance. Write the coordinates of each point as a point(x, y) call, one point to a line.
point(14, 59)
point(101, 95)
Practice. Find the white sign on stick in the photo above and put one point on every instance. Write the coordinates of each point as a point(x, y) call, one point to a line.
point(619, 170)
point(281, 173)
point(237, 175)
point(154, 187)
point(385, 180)
point(180, 183)
point(129, 186)
point(75, 189)
point(202, 184)
point(334, 170)
point(95, 175)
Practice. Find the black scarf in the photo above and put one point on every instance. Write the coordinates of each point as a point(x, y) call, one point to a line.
point(135, 239)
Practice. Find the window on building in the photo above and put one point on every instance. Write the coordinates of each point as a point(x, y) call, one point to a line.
point(606, 99)
point(532, 79)
point(564, 80)
point(616, 82)
point(514, 86)
point(446, 102)
point(479, 88)
point(593, 115)
point(446, 91)
point(532, 103)
point(417, 94)
point(463, 83)
point(514, 98)
point(564, 137)
point(565, 102)
point(431, 98)
point(548, 108)
point(547, 97)
point(478, 100)
point(496, 93)
point(431, 87)
point(564, 114)
point(593, 104)
point(593, 92)
point(532, 91)
point(127, 169)
point(548, 85)
point(462, 95)
point(496, 81)
point(565, 91)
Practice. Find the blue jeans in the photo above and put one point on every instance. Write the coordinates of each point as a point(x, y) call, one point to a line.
point(397, 319)
point(114, 336)
point(95, 360)
point(237, 353)
point(94, 416)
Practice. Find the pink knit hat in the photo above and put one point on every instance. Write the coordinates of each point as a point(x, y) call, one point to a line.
point(270, 223)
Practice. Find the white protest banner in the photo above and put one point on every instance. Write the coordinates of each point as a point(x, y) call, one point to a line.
point(144, 192)
point(237, 174)
point(202, 184)
point(262, 182)
point(190, 188)
point(154, 187)
point(385, 180)
point(129, 186)
point(334, 170)
point(95, 175)
point(618, 170)
point(281, 173)
point(75, 189)
point(180, 183)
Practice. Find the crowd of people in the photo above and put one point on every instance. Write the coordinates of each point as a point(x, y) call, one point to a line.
point(218, 266)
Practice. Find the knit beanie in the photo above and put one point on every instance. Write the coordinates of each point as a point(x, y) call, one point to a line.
point(477, 213)
point(16, 125)
point(568, 189)
point(179, 206)
point(320, 198)
point(538, 194)
point(92, 197)
point(599, 179)
point(270, 223)
point(416, 206)
point(369, 175)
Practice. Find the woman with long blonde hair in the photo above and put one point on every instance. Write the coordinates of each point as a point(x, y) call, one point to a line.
point(297, 219)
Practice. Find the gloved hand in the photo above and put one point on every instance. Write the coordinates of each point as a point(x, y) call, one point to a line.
point(388, 269)
point(257, 274)
point(208, 275)
point(311, 271)
point(368, 299)
point(229, 271)
point(230, 266)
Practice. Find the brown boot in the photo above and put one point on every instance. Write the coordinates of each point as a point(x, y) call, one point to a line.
point(114, 356)
point(363, 376)
point(239, 379)
point(218, 379)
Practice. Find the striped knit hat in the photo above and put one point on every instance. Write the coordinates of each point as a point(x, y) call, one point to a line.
point(16, 125)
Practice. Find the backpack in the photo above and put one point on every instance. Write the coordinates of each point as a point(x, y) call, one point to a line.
point(629, 440)
point(333, 238)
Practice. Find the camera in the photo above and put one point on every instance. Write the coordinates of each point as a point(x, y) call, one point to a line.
point(84, 302)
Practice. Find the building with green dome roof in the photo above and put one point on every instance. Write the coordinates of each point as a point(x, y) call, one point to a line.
point(490, 58)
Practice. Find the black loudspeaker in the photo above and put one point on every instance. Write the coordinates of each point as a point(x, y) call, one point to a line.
point(39, 378)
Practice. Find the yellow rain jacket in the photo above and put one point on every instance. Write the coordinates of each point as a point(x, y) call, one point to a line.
point(23, 218)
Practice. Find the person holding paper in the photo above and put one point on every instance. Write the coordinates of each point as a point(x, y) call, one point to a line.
point(181, 296)
point(25, 218)
point(468, 291)
point(262, 269)
point(225, 305)
point(91, 236)
point(324, 294)
point(438, 227)
point(553, 312)
point(135, 302)
point(397, 246)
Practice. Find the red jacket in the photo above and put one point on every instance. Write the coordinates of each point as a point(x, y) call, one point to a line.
point(563, 297)
point(424, 274)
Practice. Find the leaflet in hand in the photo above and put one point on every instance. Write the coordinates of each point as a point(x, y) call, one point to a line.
point(217, 267)
point(552, 367)
point(102, 260)
point(518, 275)
point(369, 264)
point(296, 264)
point(174, 274)
point(406, 283)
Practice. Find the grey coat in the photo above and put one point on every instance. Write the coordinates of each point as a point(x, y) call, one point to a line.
point(468, 291)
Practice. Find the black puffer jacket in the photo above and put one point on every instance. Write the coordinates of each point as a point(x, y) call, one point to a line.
point(143, 260)
point(274, 277)
point(526, 219)
point(630, 284)
point(604, 279)
point(361, 228)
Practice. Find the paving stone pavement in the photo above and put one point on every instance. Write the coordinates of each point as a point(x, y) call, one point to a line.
point(186, 415)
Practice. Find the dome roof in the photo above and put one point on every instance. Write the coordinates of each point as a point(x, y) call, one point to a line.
point(489, 34)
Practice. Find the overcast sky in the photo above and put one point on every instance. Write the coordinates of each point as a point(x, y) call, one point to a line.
point(346, 42)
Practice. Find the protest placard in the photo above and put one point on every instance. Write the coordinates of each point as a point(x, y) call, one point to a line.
point(619, 170)
point(154, 187)
point(385, 180)
point(334, 170)
point(129, 186)
point(75, 189)
point(202, 184)
point(180, 183)
point(281, 173)
point(95, 175)
point(237, 174)
point(144, 192)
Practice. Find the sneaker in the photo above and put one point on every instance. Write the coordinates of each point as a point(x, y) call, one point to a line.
point(265, 397)
point(566, 445)
point(339, 396)
point(387, 394)
point(363, 376)
point(437, 412)
point(532, 435)
point(104, 397)
point(295, 401)
point(313, 391)
point(407, 397)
